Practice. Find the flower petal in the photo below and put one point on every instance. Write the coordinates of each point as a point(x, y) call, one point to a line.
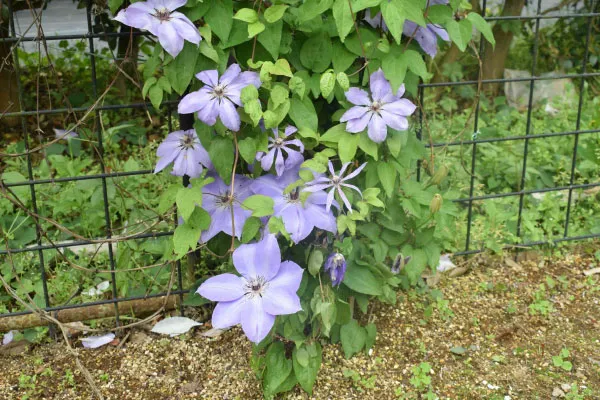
point(288, 278)
point(209, 113)
point(228, 313)
point(394, 121)
point(354, 173)
point(354, 113)
point(358, 96)
point(330, 199)
point(229, 115)
point(169, 39)
point(402, 107)
point(266, 162)
point(321, 218)
point(194, 101)
point(258, 259)
point(209, 77)
point(230, 74)
point(380, 87)
point(345, 199)
point(279, 163)
point(359, 124)
point(256, 322)
point(185, 28)
point(224, 287)
point(377, 129)
point(289, 130)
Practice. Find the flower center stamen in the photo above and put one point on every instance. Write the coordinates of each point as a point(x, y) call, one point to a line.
point(294, 196)
point(376, 106)
point(225, 199)
point(255, 287)
point(218, 91)
point(336, 180)
point(187, 142)
point(163, 15)
point(278, 142)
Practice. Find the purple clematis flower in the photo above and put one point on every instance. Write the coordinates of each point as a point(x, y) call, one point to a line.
point(335, 182)
point(183, 148)
point(219, 97)
point(267, 288)
point(275, 151)
point(218, 202)
point(384, 110)
point(61, 134)
point(425, 36)
point(336, 267)
point(160, 18)
point(299, 218)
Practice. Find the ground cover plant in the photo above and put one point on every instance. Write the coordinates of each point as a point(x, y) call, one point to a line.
point(320, 151)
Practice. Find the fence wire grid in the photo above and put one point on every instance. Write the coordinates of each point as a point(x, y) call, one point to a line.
point(15, 41)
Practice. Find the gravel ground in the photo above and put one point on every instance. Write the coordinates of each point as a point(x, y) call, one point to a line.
point(481, 341)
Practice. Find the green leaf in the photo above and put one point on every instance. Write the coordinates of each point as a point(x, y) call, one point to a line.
point(260, 205)
point(395, 12)
point(343, 18)
point(270, 38)
point(396, 63)
point(342, 59)
point(362, 280)
point(371, 334)
point(147, 85)
point(251, 228)
point(460, 32)
point(156, 95)
point(187, 198)
point(335, 134)
point(307, 362)
point(275, 13)
point(278, 368)
point(353, 338)
point(367, 145)
point(394, 142)
point(186, 236)
point(347, 147)
point(482, 26)
point(343, 81)
point(222, 155)
point(255, 28)
point(181, 70)
point(387, 177)
point(114, 5)
point(281, 67)
point(247, 148)
point(297, 85)
point(327, 83)
point(247, 15)
point(315, 262)
point(208, 51)
point(220, 18)
point(315, 53)
point(313, 8)
point(279, 94)
point(303, 113)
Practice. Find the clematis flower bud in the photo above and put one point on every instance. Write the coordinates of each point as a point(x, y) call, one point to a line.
point(438, 176)
point(336, 267)
point(436, 203)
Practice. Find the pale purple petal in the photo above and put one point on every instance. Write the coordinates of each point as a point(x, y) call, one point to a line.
point(330, 200)
point(239, 216)
point(288, 277)
point(294, 158)
point(173, 4)
point(185, 28)
point(345, 199)
point(279, 163)
point(229, 115)
point(377, 129)
point(354, 173)
point(401, 90)
point(228, 313)
point(224, 287)
point(441, 32)
point(402, 107)
point(351, 187)
point(394, 121)
point(258, 259)
point(8, 337)
point(209, 77)
point(289, 130)
point(321, 218)
point(380, 87)
point(220, 218)
point(169, 39)
point(358, 97)
point(256, 322)
point(354, 113)
point(295, 222)
point(316, 187)
point(244, 79)
point(194, 101)
point(344, 168)
point(359, 124)
point(277, 301)
point(230, 74)
point(168, 158)
point(295, 142)
point(266, 162)
point(209, 113)
point(330, 166)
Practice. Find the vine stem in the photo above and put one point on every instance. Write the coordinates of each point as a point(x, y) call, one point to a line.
point(231, 191)
point(362, 46)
